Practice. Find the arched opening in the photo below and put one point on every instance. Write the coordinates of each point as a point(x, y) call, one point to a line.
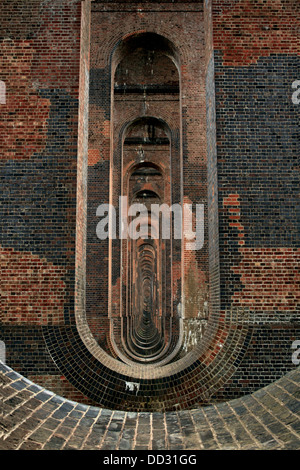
point(145, 169)
point(190, 154)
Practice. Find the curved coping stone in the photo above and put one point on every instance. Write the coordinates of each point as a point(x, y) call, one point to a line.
point(33, 418)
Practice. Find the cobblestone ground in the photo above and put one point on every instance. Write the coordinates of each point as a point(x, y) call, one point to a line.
point(33, 418)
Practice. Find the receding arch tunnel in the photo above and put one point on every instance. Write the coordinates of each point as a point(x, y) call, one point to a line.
point(149, 160)
point(156, 288)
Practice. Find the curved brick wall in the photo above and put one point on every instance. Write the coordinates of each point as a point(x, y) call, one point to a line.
point(189, 381)
point(35, 419)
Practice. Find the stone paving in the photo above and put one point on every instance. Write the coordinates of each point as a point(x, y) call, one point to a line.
point(33, 418)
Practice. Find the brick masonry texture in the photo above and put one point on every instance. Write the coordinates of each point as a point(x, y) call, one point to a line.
point(255, 29)
point(34, 418)
point(40, 300)
point(240, 156)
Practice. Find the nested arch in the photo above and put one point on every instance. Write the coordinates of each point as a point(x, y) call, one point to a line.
point(145, 42)
point(178, 380)
point(146, 178)
point(144, 79)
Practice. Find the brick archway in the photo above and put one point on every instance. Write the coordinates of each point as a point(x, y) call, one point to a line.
point(160, 385)
point(98, 369)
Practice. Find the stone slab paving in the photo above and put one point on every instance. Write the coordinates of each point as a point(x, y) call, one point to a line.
point(33, 418)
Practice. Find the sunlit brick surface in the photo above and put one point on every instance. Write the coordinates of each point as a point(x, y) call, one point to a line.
point(35, 419)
